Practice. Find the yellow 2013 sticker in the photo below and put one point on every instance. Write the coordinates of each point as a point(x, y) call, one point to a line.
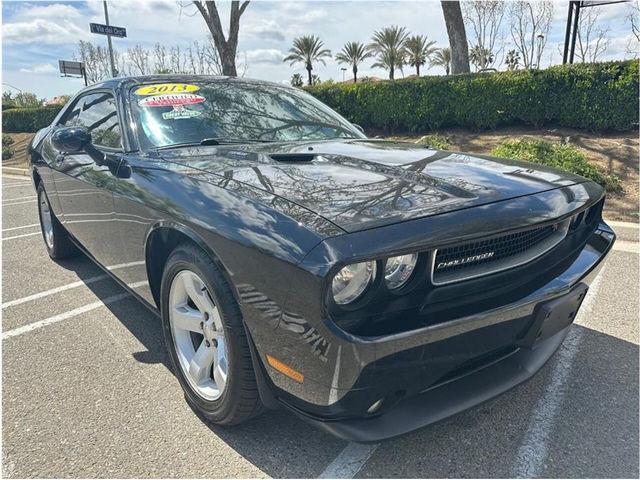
point(166, 88)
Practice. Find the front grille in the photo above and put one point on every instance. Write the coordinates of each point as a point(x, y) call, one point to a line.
point(469, 260)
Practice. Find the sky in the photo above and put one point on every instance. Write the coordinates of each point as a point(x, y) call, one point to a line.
point(35, 35)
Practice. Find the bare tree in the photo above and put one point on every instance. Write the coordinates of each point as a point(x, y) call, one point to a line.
point(138, 60)
point(95, 60)
point(530, 22)
point(591, 42)
point(227, 47)
point(160, 59)
point(485, 18)
point(457, 36)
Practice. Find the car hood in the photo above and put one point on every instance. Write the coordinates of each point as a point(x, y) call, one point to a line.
point(360, 184)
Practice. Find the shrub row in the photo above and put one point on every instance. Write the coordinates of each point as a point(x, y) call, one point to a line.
point(600, 96)
point(28, 119)
point(558, 155)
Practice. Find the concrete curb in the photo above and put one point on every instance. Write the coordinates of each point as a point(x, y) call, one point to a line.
point(16, 171)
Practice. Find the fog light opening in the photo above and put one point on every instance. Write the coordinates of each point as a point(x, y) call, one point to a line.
point(375, 406)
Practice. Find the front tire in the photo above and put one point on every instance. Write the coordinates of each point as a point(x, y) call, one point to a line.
point(56, 238)
point(206, 340)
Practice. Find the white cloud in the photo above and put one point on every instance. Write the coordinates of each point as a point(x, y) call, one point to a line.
point(266, 29)
point(40, 68)
point(264, 55)
point(55, 10)
point(42, 31)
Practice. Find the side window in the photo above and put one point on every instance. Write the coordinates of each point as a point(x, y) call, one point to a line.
point(97, 113)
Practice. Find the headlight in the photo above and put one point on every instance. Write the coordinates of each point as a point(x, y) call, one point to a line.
point(398, 270)
point(350, 282)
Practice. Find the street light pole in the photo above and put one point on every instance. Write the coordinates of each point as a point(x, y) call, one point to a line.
point(343, 71)
point(106, 20)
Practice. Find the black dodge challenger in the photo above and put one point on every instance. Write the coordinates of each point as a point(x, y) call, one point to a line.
point(369, 286)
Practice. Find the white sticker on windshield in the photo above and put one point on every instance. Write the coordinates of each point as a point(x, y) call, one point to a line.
point(180, 112)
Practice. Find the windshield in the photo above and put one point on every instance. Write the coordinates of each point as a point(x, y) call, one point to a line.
point(232, 111)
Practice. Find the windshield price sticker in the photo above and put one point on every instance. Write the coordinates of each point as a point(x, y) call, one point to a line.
point(166, 88)
point(171, 100)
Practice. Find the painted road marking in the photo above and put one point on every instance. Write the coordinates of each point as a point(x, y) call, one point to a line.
point(614, 223)
point(63, 316)
point(350, 461)
point(20, 236)
point(18, 203)
point(19, 228)
point(626, 246)
point(70, 314)
point(30, 197)
point(69, 286)
point(533, 451)
point(16, 185)
point(53, 291)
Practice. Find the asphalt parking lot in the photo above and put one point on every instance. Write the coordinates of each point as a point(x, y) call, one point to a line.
point(87, 390)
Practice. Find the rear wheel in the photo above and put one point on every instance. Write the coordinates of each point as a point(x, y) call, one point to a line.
point(206, 340)
point(56, 238)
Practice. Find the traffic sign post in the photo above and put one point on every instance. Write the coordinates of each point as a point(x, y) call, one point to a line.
point(109, 31)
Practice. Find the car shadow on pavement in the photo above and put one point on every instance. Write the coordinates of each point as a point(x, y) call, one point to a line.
point(592, 433)
point(271, 442)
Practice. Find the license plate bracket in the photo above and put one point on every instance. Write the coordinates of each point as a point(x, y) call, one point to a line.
point(553, 315)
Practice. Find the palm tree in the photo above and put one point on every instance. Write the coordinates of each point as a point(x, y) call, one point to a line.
point(481, 57)
point(296, 80)
point(353, 53)
point(442, 58)
point(307, 49)
point(418, 50)
point(388, 44)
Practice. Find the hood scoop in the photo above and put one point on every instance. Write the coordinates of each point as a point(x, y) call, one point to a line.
point(293, 157)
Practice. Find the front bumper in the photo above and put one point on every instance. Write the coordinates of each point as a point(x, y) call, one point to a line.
point(424, 375)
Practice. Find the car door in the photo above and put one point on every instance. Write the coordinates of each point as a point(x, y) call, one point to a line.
point(84, 186)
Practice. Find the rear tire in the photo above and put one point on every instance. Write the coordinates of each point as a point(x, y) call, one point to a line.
point(206, 340)
point(56, 238)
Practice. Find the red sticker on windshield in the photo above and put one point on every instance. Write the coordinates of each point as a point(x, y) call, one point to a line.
point(171, 100)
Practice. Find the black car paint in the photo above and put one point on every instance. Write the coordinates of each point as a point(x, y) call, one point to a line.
point(281, 219)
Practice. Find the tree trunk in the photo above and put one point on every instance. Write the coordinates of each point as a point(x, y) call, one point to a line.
point(417, 69)
point(457, 36)
point(391, 71)
point(309, 77)
point(226, 47)
point(447, 69)
point(355, 74)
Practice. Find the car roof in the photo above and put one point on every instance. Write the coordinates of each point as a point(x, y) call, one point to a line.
point(124, 82)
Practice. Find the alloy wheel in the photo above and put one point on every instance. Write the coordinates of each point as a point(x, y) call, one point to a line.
point(198, 335)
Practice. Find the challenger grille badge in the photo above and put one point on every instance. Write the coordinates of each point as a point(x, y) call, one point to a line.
point(464, 260)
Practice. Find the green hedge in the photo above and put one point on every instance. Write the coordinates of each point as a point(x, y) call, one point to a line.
point(28, 119)
point(600, 96)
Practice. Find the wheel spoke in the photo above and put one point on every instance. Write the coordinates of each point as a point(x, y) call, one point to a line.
point(217, 321)
point(187, 318)
point(200, 364)
point(197, 293)
point(220, 368)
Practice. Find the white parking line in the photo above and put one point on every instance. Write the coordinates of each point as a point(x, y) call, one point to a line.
point(30, 197)
point(16, 185)
point(20, 236)
point(53, 291)
point(20, 228)
point(626, 246)
point(613, 223)
point(63, 316)
point(18, 203)
point(71, 313)
point(350, 460)
point(533, 451)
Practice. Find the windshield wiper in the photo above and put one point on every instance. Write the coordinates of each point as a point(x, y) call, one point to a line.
point(211, 141)
point(223, 141)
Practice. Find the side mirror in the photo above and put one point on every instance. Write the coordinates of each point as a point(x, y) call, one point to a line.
point(71, 139)
point(358, 127)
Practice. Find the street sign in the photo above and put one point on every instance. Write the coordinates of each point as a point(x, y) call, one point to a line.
point(70, 68)
point(102, 29)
